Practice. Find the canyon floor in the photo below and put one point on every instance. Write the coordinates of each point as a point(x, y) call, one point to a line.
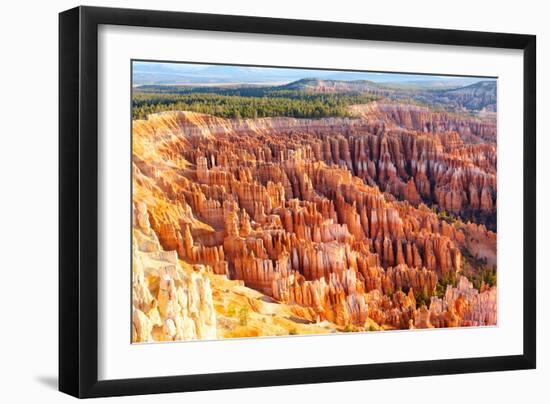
point(282, 226)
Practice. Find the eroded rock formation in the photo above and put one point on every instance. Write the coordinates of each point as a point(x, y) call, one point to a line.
point(329, 215)
point(168, 303)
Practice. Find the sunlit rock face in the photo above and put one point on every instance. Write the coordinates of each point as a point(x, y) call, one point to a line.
point(350, 223)
point(168, 303)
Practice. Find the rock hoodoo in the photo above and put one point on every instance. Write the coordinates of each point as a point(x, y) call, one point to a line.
point(329, 216)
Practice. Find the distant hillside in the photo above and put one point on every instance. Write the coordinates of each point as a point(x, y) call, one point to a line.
point(473, 97)
point(336, 86)
point(477, 96)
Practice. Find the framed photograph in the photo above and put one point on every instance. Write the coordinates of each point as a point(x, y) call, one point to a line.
point(250, 201)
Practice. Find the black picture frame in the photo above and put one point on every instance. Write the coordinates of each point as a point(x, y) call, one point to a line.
point(78, 201)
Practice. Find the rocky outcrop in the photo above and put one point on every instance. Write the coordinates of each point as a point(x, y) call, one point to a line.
point(422, 119)
point(425, 156)
point(461, 306)
point(168, 303)
point(329, 215)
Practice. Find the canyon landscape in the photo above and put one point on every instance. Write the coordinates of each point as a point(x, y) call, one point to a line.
point(277, 202)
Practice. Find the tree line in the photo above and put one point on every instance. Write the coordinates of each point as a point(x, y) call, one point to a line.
point(257, 104)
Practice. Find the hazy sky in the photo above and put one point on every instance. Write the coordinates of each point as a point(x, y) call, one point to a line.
point(181, 73)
